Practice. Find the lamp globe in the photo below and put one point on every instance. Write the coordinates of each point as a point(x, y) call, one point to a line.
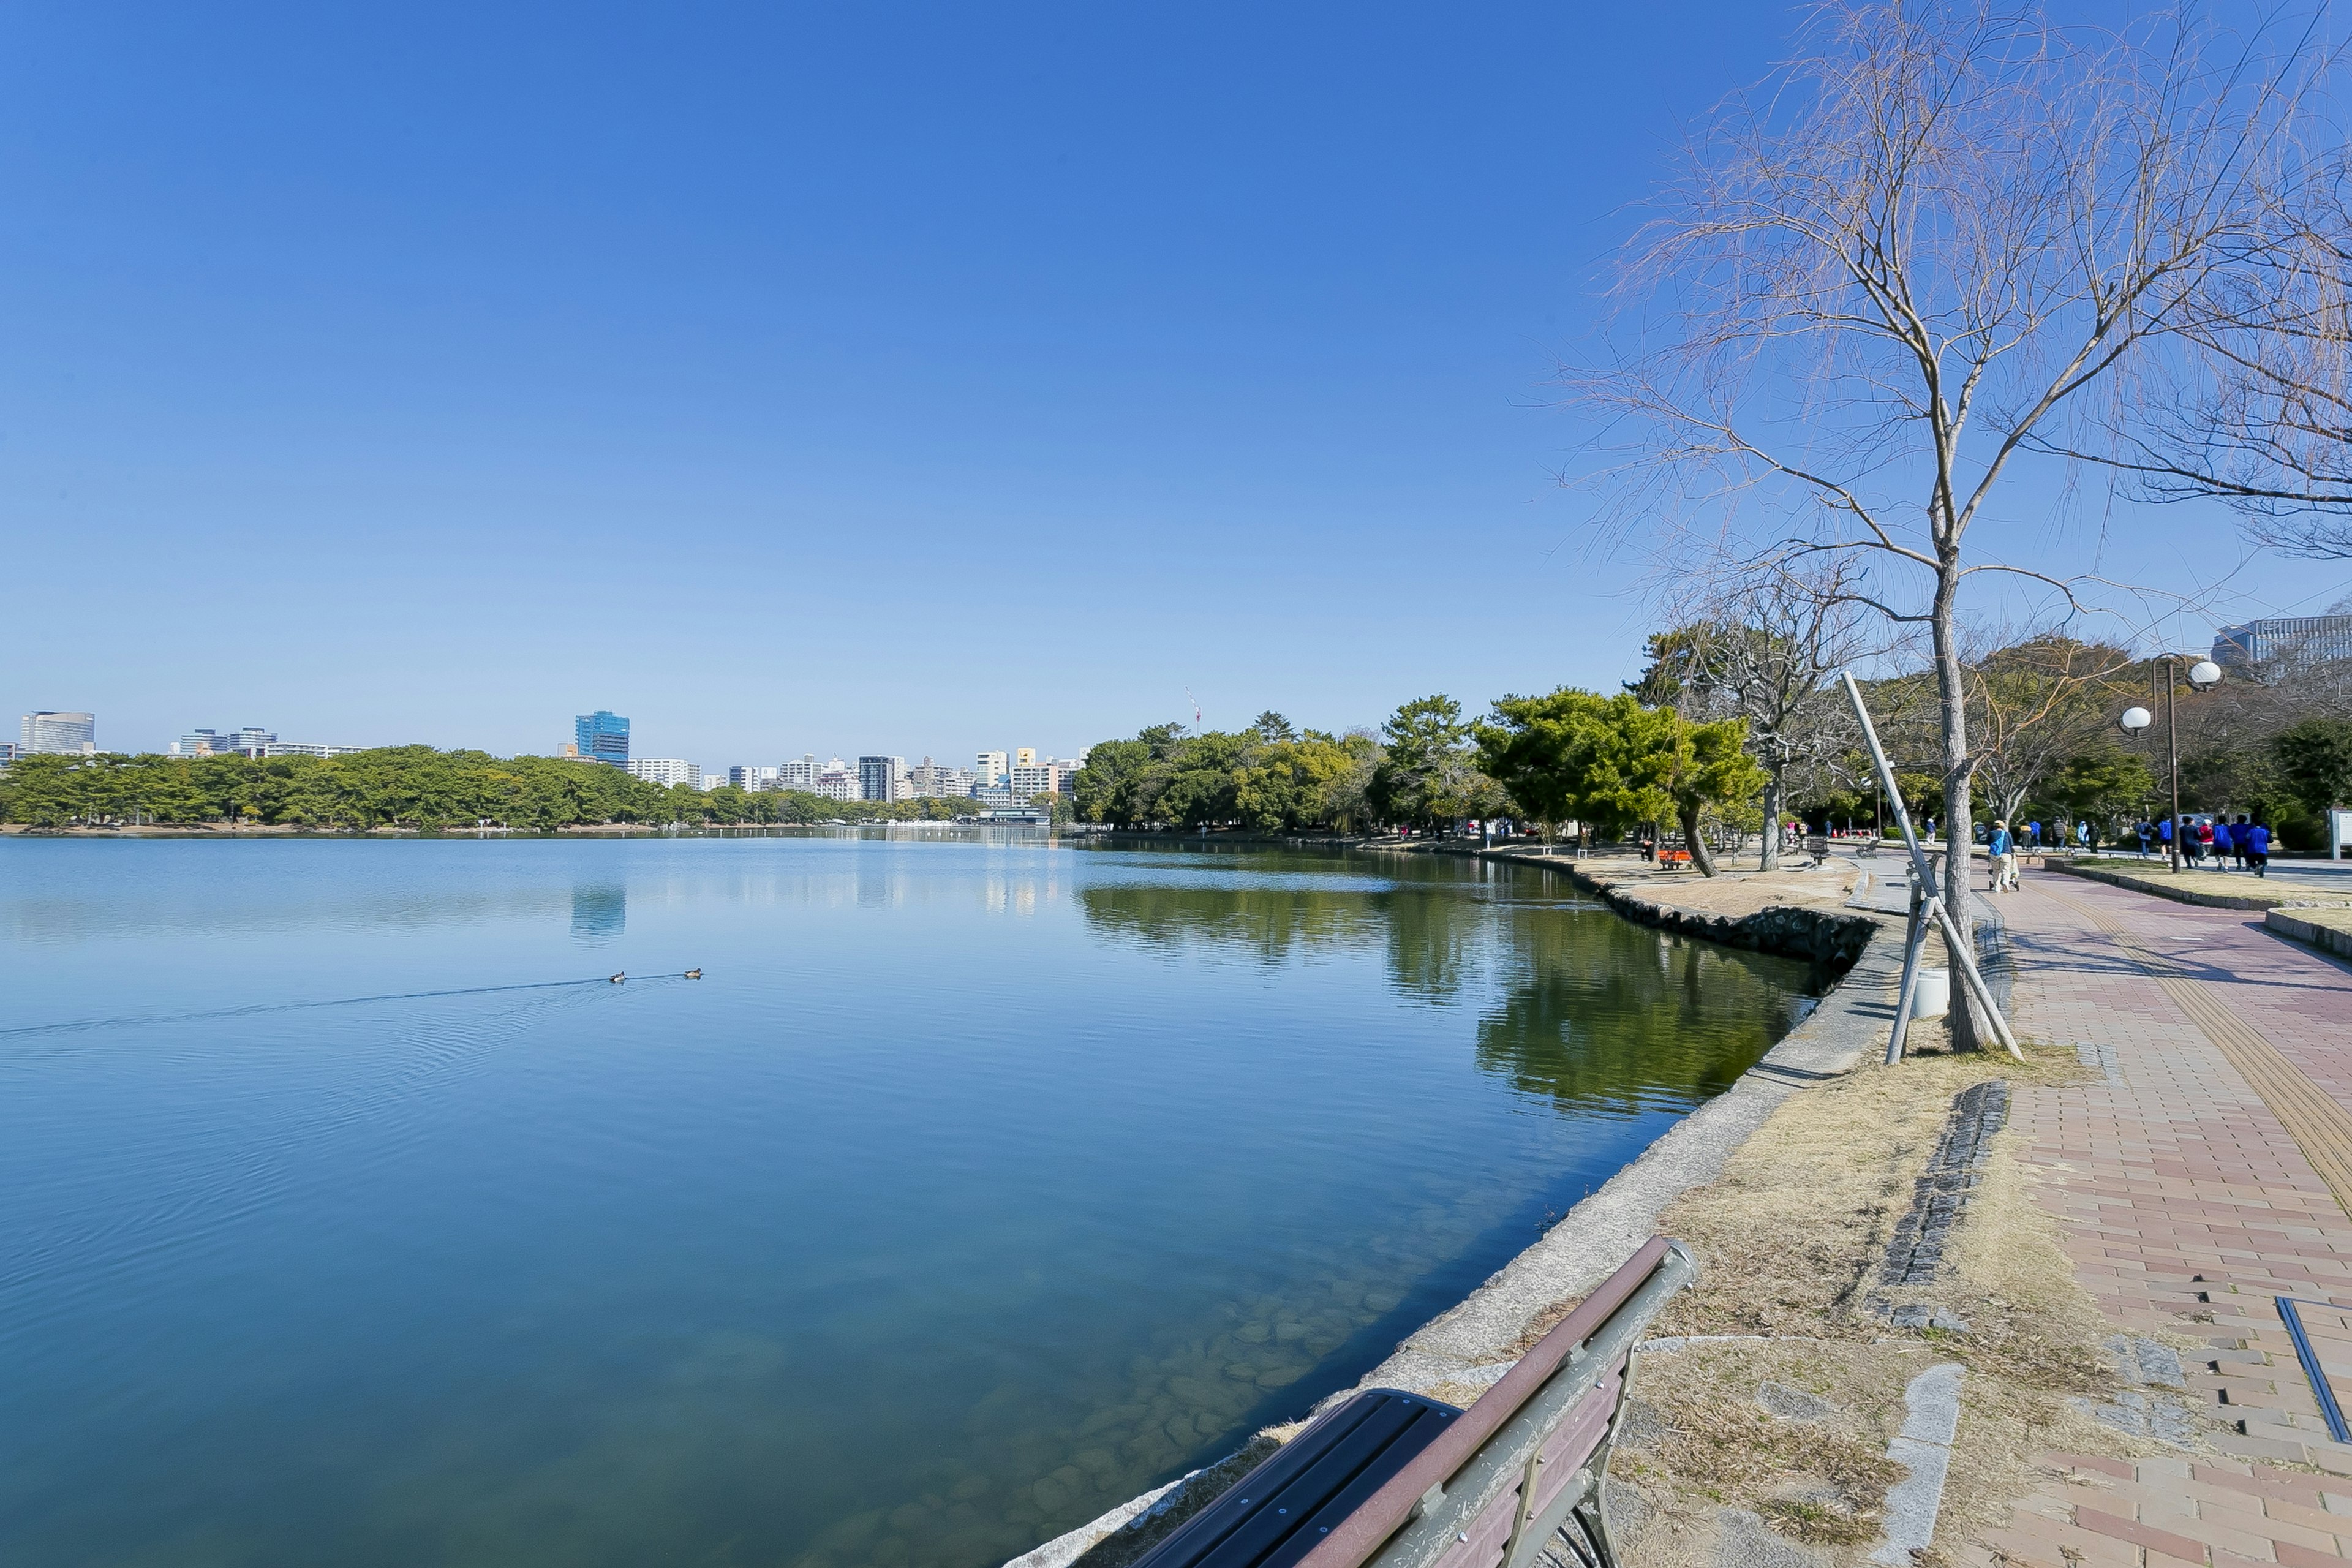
point(2204, 673)
point(2135, 720)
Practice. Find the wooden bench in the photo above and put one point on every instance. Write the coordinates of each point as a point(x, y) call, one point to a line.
point(1398, 1480)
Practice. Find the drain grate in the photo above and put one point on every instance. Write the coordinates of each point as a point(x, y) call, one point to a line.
point(1937, 1198)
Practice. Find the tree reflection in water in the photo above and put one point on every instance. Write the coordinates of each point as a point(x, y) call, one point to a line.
point(1576, 1006)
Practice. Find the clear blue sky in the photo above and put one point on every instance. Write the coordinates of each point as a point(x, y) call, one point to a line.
point(874, 378)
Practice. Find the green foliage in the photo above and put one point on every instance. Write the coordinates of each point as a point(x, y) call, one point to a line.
point(2315, 759)
point(1429, 775)
point(2102, 784)
point(1268, 777)
point(1615, 764)
point(406, 786)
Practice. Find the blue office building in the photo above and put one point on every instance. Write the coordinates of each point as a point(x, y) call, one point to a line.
point(603, 738)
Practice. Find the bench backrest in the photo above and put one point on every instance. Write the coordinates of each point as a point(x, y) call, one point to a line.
point(1401, 1481)
point(1493, 1487)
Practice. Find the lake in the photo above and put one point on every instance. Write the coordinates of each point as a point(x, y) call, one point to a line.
point(354, 1215)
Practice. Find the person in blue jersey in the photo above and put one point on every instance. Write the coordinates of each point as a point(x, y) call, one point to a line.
point(2224, 842)
point(2001, 850)
point(2240, 833)
point(2258, 848)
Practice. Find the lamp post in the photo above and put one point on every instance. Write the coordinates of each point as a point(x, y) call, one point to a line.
point(2202, 676)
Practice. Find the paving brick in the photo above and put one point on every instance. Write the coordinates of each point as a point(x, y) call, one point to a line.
point(2171, 1543)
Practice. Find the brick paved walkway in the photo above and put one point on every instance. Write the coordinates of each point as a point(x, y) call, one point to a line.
point(2189, 1208)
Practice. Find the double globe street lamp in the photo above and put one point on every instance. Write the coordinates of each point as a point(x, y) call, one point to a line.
point(2203, 676)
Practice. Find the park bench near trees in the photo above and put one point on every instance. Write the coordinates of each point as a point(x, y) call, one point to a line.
point(1396, 1480)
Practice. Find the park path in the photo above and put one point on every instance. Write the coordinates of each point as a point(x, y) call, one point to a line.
point(2206, 1171)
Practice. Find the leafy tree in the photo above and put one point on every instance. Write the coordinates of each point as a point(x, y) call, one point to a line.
point(1429, 776)
point(2315, 757)
point(1616, 764)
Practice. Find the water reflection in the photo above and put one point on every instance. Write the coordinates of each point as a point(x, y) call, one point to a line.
point(599, 912)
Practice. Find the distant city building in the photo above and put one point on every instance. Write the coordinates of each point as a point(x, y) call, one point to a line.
point(304, 749)
point(799, 775)
point(748, 777)
point(7, 754)
point(838, 781)
point(1030, 779)
point(935, 781)
point(878, 778)
point(995, 796)
point(57, 734)
point(198, 743)
point(1025, 757)
point(991, 767)
point(601, 737)
point(664, 771)
point(1065, 773)
point(568, 751)
point(2291, 640)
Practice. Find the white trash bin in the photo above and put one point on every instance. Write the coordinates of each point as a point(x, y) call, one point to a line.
point(1931, 994)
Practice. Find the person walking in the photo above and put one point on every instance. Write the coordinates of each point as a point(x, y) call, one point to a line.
point(2225, 841)
point(2082, 834)
point(2201, 840)
point(2145, 831)
point(2001, 849)
point(2257, 840)
point(2240, 840)
point(2164, 834)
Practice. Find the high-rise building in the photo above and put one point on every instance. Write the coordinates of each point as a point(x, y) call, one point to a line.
point(991, 767)
point(603, 737)
point(1065, 773)
point(878, 778)
point(936, 781)
point(2294, 641)
point(666, 771)
point(1024, 756)
point(57, 734)
point(1030, 779)
point(838, 781)
point(199, 743)
point(799, 775)
point(747, 776)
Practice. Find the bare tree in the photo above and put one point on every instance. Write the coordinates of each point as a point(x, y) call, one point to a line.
point(1908, 255)
point(1763, 646)
point(2260, 416)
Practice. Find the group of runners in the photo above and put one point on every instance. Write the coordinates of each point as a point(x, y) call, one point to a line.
point(2215, 838)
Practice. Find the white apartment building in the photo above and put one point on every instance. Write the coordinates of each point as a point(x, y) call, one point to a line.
point(1065, 773)
point(746, 776)
point(936, 781)
point(56, 734)
point(800, 775)
point(838, 783)
point(666, 771)
point(1031, 778)
point(306, 749)
point(991, 767)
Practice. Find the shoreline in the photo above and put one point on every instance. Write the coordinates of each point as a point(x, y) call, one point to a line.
point(1461, 1352)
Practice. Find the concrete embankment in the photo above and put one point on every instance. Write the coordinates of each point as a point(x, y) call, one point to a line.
point(1464, 1350)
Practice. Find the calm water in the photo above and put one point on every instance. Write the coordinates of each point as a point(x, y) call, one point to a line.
point(980, 1185)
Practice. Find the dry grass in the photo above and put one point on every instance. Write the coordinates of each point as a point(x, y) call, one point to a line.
point(1789, 1242)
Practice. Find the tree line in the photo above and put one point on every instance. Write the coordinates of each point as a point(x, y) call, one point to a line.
point(400, 786)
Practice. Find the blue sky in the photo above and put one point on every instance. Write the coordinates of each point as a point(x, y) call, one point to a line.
point(834, 379)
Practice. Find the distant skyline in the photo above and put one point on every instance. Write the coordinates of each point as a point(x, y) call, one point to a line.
point(915, 379)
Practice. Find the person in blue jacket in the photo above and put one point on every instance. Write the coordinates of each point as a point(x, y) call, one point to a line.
point(2225, 842)
point(2257, 841)
point(2001, 849)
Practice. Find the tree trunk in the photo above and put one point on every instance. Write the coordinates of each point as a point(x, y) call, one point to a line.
point(1773, 791)
point(1969, 1031)
point(1695, 841)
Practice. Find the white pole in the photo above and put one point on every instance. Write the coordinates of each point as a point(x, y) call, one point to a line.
point(1933, 909)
